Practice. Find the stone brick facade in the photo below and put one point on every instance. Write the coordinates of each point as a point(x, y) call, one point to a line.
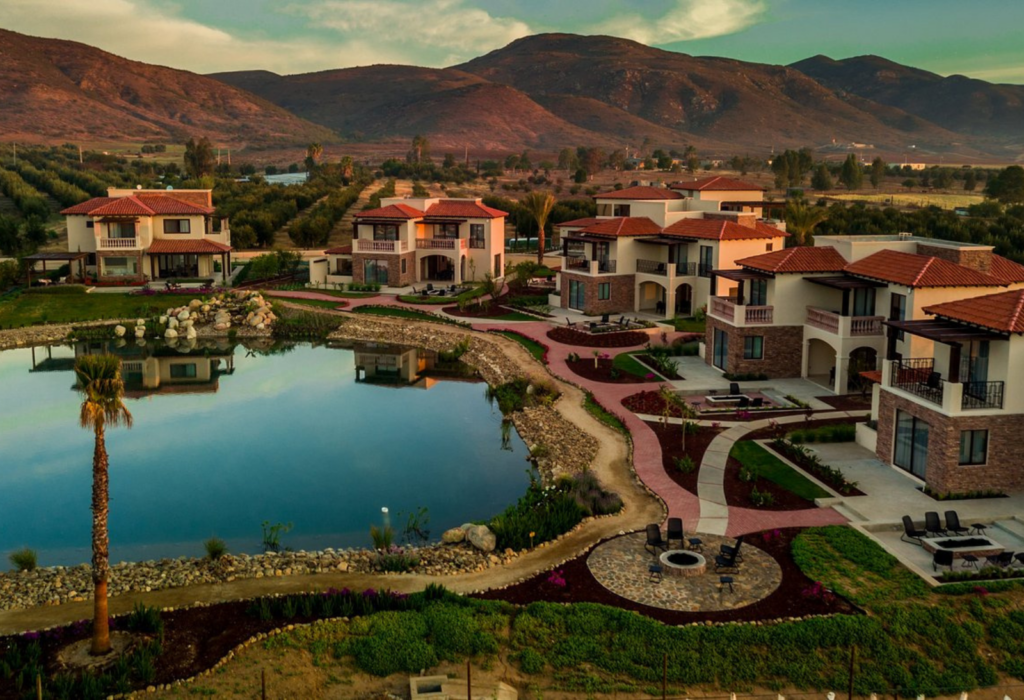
point(1004, 470)
point(980, 260)
point(396, 278)
point(620, 299)
point(782, 348)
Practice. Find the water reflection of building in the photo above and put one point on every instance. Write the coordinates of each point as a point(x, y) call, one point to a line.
point(395, 365)
point(152, 369)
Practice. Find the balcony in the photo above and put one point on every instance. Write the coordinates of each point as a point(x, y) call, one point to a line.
point(843, 326)
point(652, 267)
point(918, 377)
point(118, 244)
point(364, 245)
point(590, 267)
point(442, 243)
point(741, 315)
point(686, 269)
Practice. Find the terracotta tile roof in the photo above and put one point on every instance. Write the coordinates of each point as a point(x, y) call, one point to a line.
point(464, 210)
point(913, 270)
point(718, 183)
point(192, 246)
point(640, 192)
point(391, 211)
point(1000, 312)
point(579, 223)
point(623, 226)
point(797, 259)
point(1006, 270)
point(340, 250)
point(137, 205)
point(722, 230)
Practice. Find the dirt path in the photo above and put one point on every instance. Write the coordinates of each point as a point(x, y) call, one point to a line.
point(341, 234)
point(611, 466)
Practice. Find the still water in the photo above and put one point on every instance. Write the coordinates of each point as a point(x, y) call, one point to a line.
point(226, 437)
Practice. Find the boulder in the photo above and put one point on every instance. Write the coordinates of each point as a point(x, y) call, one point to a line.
point(255, 321)
point(183, 315)
point(481, 537)
point(190, 333)
point(163, 320)
point(222, 326)
point(453, 536)
point(170, 333)
point(119, 331)
point(194, 304)
point(205, 308)
point(172, 323)
point(140, 322)
point(140, 332)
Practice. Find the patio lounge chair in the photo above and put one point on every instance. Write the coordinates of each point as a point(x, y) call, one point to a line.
point(942, 557)
point(1003, 560)
point(733, 550)
point(910, 532)
point(569, 324)
point(604, 318)
point(734, 388)
point(623, 321)
point(932, 524)
point(758, 402)
point(655, 540)
point(744, 402)
point(675, 530)
point(430, 287)
point(729, 561)
point(953, 525)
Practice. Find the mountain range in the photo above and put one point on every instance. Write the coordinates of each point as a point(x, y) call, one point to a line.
point(540, 92)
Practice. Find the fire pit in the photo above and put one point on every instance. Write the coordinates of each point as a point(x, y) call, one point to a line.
point(977, 546)
point(680, 563)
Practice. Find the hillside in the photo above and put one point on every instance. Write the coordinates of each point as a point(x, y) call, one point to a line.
point(956, 102)
point(57, 91)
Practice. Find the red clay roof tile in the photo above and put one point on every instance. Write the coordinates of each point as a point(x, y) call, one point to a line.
point(340, 250)
point(1006, 270)
point(718, 183)
point(722, 230)
point(911, 270)
point(189, 246)
point(623, 226)
point(640, 192)
point(797, 259)
point(464, 210)
point(391, 211)
point(1001, 312)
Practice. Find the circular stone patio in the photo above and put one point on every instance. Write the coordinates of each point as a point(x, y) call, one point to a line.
point(621, 566)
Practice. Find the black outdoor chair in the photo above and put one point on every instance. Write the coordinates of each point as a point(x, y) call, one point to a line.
point(569, 324)
point(675, 530)
point(430, 287)
point(934, 380)
point(604, 318)
point(731, 559)
point(932, 524)
point(953, 525)
point(910, 532)
point(623, 321)
point(1003, 560)
point(758, 402)
point(744, 402)
point(654, 540)
point(732, 550)
point(942, 557)
point(734, 388)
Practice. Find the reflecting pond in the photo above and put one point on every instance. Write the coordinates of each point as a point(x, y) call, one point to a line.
point(227, 436)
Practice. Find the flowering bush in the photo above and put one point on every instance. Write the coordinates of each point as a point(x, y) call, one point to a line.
point(557, 578)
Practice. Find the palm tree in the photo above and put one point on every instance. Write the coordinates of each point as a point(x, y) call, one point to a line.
point(801, 219)
point(539, 206)
point(673, 400)
point(314, 151)
point(99, 379)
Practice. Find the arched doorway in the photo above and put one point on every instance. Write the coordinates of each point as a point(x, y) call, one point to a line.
point(684, 300)
point(821, 363)
point(437, 268)
point(862, 359)
point(650, 298)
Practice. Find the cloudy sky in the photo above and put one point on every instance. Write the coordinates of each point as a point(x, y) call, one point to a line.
point(979, 38)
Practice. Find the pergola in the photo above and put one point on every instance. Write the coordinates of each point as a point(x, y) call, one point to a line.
point(740, 276)
point(845, 284)
point(948, 332)
point(55, 257)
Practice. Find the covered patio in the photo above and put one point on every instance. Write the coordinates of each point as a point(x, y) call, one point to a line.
point(63, 258)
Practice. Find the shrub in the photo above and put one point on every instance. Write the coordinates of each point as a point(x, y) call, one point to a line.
point(761, 498)
point(144, 619)
point(397, 562)
point(530, 661)
point(23, 559)
point(828, 433)
point(215, 548)
point(685, 464)
point(395, 644)
point(803, 458)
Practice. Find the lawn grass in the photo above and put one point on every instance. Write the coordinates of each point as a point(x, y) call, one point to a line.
point(770, 467)
point(34, 309)
point(319, 303)
point(625, 362)
point(513, 316)
point(916, 199)
point(535, 348)
point(689, 325)
point(602, 414)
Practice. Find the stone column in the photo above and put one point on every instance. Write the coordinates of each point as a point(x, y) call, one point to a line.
point(842, 374)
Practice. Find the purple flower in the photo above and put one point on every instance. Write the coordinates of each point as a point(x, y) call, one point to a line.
point(557, 578)
point(369, 593)
point(30, 636)
point(649, 376)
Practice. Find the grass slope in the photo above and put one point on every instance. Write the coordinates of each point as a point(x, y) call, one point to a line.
point(770, 467)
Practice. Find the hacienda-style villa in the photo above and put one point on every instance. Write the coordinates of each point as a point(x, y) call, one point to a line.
point(141, 235)
point(411, 240)
point(653, 249)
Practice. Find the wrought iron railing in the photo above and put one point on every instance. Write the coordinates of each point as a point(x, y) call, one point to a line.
point(652, 267)
point(606, 265)
point(686, 269)
point(918, 377)
point(704, 270)
point(982, 395)
point(577, 264)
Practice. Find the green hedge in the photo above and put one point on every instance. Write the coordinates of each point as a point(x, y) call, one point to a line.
point(827, 433)
point(59, 289)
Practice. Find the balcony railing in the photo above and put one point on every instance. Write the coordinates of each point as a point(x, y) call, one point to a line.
point(592, 267)
point(982, 395)
point(726, 309)
point(723, 308)
point(704, 270)
point(577, 264)
point(686, 269)
point(606, 266)
point(841, 325)
point(442, 243)
point(651, 267)
point(918, 377)
point(365, 245)
point(759, 315)
point(118, 243)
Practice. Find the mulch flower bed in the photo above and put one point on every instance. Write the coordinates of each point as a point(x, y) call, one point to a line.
point(612, 339)
point(649, 403)
point(796, 596)
point(486, 309)
point(670, 439)
point(737, 491)
point(649, 361)
point(848, 402)
point(584, 367)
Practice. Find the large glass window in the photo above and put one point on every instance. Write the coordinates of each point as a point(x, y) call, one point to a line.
point(910, 451)
point(973, 447)
point(121, 229)
point(385, 232)
point(721, 349)
point(753, 347)
point(898, 310)
point(577, 298)
point(177, 226)
point(447, 231)
point(706, 257)
point(120, 267)
point(183, 371)
point(864, 302)
point(621, 210)
point(604, 291)
point(476, 235)
point(375, 271)
point(758, 293)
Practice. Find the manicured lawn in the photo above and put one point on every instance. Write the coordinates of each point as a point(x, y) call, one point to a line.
point(514, 316)
point(319, 303)
point(689, 325)
point(625, 362)
point(535, 348)
point(770, 467)
point(34, 309)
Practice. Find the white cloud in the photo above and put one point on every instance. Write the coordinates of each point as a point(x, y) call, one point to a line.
point(686, 20)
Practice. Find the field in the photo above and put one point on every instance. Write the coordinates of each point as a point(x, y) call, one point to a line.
point(914, 199)
point(32, 309)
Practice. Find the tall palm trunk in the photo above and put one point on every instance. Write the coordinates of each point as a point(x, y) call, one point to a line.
point(100, 543)
point(540, 246)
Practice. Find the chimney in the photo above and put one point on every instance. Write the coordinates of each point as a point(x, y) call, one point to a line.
point(977, 258)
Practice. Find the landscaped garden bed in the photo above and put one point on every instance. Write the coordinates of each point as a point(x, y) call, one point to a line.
point(810, 463)
point(611, 339)
point(650, 403)
point(682, 466)
point(603, 369)
point(756, 478)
